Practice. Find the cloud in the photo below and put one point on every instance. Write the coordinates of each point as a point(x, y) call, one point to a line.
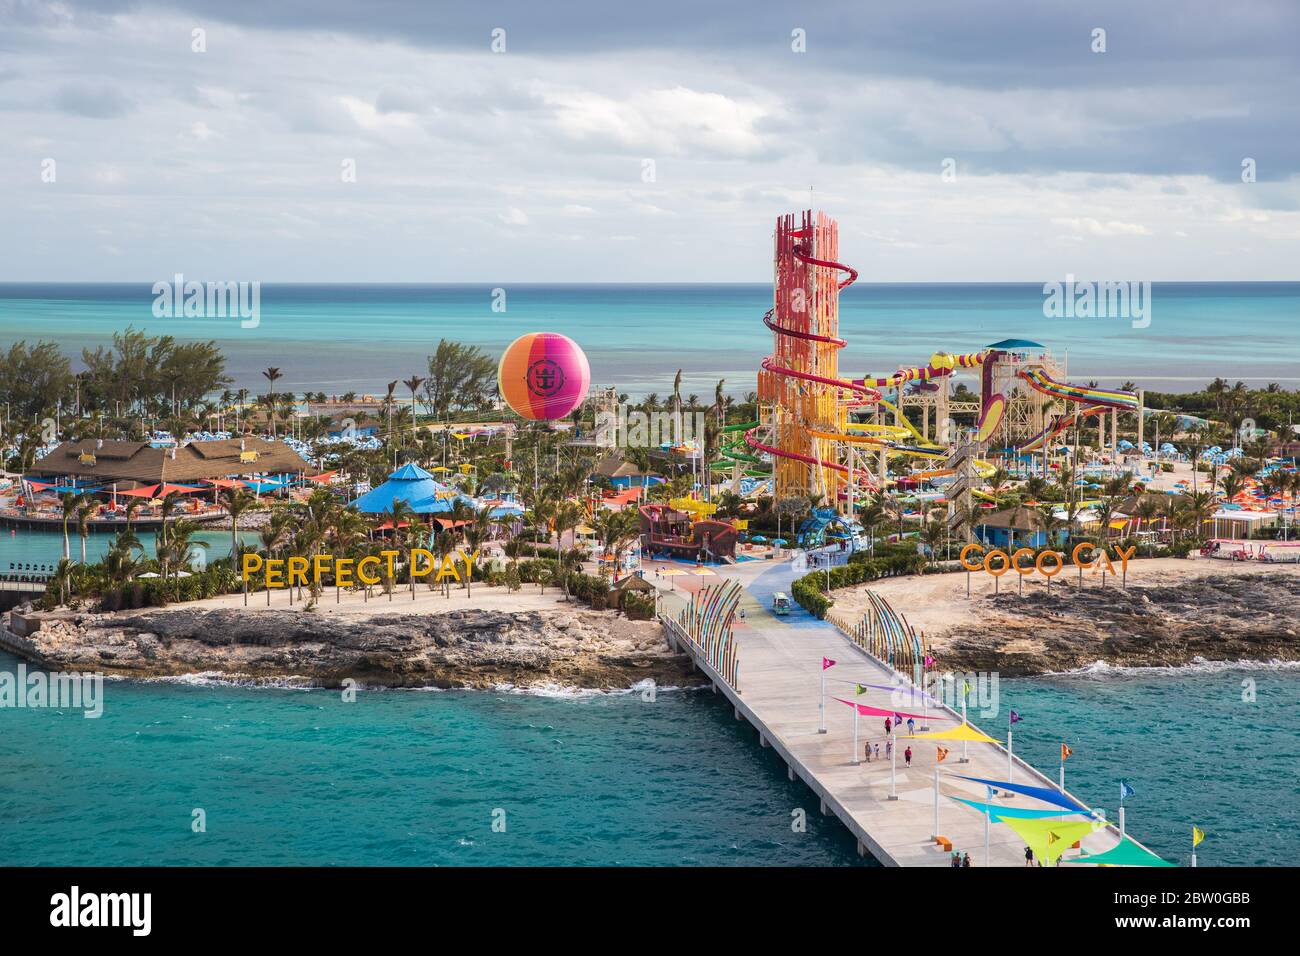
point(1092, 227)
point(97, 102)
point(470, 165)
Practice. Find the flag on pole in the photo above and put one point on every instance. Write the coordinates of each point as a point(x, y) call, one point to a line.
point(827, 663)
point(1125, 790)
point(989, 795)
point(861, 689)
point(943, 752)
point(1014, 718)
point(929, 661)
point(1065, 752)
point(1197, 836)
point(965, 688)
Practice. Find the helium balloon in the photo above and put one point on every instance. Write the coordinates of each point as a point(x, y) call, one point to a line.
point(543, 376)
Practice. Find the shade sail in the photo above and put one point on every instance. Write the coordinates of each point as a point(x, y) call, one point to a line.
point(1046, 794)
point(1049, 838)
point(1023, 813)
point(962, 732)
point(1127, 853)
point(147, 492)
point(866, 711)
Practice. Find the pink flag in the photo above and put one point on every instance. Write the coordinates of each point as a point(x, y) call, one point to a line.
point(867, 711)
point(827, 662)
point(929, 661)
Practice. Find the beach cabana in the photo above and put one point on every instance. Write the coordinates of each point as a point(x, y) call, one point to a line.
point(416, 488)
point(1018, 527)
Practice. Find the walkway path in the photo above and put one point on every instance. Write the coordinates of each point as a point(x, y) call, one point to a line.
point(779, 678)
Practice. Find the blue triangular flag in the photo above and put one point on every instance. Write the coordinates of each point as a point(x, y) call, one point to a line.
point(1125, 790)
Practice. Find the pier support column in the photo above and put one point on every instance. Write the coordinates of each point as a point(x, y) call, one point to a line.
point(736, 710)
point(762, 741)
point(862, 850)
point(789, 772)
point(823, 808)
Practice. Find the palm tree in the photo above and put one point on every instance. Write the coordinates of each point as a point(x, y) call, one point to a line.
point(677, 405)
point(476, 534)
point(237, 502)
point(443, 546)
point(70, 501)
point(413, 383)
point(272, 375)
point(85, 511)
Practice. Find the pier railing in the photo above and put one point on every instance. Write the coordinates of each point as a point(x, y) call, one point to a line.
point(706, 625)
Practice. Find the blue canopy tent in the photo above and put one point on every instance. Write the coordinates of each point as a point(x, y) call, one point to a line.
point(414, 486)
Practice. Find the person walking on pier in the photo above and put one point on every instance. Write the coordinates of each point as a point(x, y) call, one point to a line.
point(877, 751)
point(965, 860)
point(911, 726)
point(888, 726)
point(1029, 856)
point(889, 748)
point(907, 757)
point(868, 751)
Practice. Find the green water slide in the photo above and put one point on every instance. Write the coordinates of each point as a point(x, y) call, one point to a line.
point(737, 450)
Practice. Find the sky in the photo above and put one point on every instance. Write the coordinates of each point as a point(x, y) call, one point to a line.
point(378, 141)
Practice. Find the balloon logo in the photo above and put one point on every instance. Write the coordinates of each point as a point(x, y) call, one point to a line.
point(543, 376)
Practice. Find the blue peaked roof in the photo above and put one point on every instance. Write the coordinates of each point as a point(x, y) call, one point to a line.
point(414, 486)
point(1011, 345)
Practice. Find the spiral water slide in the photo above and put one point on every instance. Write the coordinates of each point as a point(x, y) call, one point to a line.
point(866, 392)
point(1059, 424)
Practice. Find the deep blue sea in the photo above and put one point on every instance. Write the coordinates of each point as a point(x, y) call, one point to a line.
point(407, 777)
point(339, 338)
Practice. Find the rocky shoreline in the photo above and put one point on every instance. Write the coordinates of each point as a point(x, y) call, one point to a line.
point(1226, 618)
point(471, 648)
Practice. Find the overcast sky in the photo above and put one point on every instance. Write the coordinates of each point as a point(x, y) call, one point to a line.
point(529, 165)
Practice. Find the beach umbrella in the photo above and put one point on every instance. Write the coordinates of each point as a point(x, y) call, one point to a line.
point(671, 573)
point(758, 539)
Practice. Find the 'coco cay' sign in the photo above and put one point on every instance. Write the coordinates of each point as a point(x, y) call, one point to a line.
point(298, 571)
point(1047, 563)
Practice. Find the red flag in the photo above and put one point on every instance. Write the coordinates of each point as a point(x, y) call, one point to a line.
point(943, 752)
point(1065, 752)
point(827, 662)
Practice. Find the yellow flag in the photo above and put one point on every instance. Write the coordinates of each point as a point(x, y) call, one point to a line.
point(1197, 836)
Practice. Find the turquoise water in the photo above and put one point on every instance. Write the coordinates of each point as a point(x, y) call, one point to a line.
point(402, 778)
point(299, 777)
point(338, 338)
point(26, 546)
point(1187, 742)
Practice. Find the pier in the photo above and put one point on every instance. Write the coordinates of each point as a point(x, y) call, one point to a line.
point(777, 691)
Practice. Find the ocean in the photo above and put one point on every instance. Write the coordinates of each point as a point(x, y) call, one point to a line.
point(286, 776)
point(341, 338)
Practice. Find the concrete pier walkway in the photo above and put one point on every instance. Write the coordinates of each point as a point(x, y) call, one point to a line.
point(779, 681)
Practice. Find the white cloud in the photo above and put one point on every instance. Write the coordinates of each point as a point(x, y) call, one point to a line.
point(1093, 227)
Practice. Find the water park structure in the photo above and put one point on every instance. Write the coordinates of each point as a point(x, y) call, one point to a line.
point(830, 437)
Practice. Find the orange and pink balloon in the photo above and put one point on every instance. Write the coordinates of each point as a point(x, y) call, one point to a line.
point(543, 375)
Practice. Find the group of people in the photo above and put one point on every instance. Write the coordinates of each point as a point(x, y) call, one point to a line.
point(873, 750)
point(960, 859)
